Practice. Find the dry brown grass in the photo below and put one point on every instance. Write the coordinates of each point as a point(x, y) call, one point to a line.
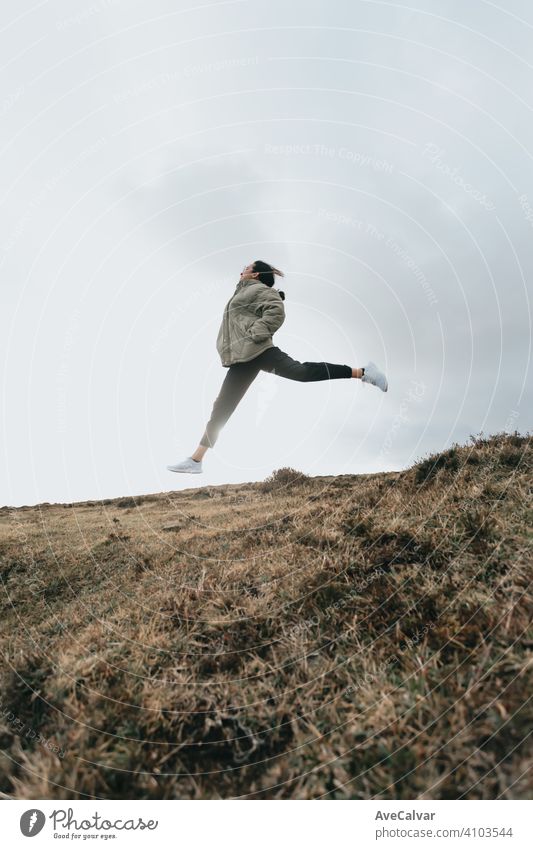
point(350, 637)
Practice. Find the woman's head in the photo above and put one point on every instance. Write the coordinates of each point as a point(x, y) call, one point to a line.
point(261, 271)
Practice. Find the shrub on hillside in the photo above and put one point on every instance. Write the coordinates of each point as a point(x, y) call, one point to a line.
point(428, 468)
point(504, 449)
point(284, 478)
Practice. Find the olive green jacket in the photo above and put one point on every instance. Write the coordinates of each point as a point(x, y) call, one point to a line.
point(251, 316)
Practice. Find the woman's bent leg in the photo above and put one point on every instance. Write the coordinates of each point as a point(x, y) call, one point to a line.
point(278, 362)
point(234, 386)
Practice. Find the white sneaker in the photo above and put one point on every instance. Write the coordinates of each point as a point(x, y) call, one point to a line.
point(189, 466)
point(374, 376)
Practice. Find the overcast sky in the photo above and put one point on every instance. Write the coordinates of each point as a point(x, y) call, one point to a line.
point(379, 153)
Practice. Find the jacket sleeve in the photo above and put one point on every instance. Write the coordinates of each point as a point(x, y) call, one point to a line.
point(272, 315)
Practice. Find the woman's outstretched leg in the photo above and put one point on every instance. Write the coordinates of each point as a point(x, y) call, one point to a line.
point(237, 381)
point(278, 362)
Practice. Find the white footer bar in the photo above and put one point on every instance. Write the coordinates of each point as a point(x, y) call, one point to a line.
point(257, 824)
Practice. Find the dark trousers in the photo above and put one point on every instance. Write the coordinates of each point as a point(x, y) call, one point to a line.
point(241, 375)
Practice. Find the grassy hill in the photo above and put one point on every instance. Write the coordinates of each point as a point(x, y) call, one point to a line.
point(348, 637)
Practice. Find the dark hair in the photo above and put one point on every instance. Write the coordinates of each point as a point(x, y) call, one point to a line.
point(266, 274)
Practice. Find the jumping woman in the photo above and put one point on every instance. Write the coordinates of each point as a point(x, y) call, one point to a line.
point(245, 346)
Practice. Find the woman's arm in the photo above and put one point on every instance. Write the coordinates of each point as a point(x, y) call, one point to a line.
point(272, 315)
